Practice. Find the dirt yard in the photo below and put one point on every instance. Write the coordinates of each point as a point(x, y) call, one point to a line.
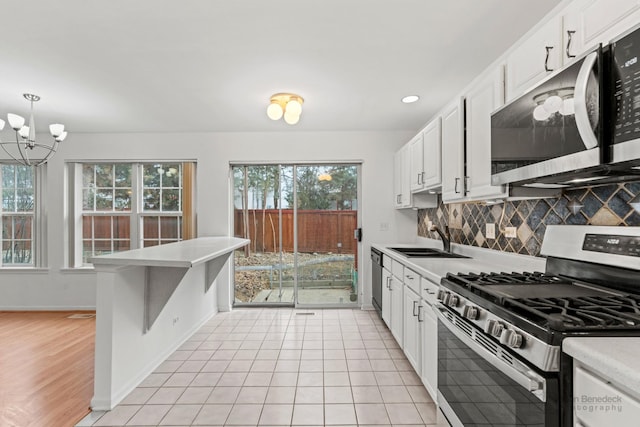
point(314, 269)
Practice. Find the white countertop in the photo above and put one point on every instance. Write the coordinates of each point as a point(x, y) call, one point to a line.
point(615, 358)
point(186, 253)
point(481, 260)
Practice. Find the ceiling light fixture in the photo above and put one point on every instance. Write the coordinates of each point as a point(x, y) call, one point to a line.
point(410, 99)
point(287, 105)
point(25, 142)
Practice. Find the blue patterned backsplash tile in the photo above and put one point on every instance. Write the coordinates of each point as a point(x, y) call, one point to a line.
point(602, 205)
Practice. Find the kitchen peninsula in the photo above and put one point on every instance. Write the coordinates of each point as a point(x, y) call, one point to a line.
point(148, 302)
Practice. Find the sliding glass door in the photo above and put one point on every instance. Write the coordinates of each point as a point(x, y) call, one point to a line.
point(301, 220)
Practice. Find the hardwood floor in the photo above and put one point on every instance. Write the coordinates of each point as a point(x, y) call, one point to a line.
point(46, 368)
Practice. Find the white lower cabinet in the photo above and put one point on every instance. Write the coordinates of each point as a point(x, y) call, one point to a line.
point(412, 336)
point(386, 297)
point(407, 309)
point(396, 291)
point(429, 352)
point(599, 402)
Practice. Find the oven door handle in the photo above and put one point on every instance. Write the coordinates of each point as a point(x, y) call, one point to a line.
point(517, 371)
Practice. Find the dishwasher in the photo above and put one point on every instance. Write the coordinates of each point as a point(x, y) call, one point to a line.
point(376, 280)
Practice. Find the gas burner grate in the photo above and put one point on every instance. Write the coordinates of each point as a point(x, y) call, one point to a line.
point(472, 280)
point(581, 313)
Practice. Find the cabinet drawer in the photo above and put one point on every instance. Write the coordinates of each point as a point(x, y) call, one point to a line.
point(596, 402)
point(429, 291)
point(412, 280)
point(387, 261)
point(397, 270)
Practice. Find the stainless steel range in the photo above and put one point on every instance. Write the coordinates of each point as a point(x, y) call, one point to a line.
point(500, 334)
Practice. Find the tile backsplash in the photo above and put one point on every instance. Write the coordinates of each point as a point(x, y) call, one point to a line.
point(602, 205)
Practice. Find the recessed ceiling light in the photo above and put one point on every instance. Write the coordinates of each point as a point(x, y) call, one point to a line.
point(409, 99)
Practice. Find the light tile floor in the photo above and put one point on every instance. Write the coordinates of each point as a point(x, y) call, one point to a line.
point(281, 367)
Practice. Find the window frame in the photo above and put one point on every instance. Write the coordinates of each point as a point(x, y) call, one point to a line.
point(75, 255)
point(38, 221)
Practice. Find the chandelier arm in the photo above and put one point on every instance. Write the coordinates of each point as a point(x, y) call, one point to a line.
point(53, 148)
point(23, 153)
point(21, 161)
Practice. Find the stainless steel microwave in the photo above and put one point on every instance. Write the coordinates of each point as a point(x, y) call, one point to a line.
point(625, 100)
point(554, 132)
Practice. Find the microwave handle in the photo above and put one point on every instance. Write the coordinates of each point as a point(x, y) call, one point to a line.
point(580, 102)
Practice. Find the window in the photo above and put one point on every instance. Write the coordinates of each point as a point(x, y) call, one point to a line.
point(131, 205)
point(18, 214)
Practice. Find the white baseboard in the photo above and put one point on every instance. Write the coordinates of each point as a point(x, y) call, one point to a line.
point(48, 308)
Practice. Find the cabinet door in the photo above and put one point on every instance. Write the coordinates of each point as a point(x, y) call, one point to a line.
point(481, 101)
point(396, 309)
point(535, 58)
point(624, 411)
point(429, 329)
point(589, 22)
point(432, 156)
point(453, 152)
point(386, 297)
point(397, 179)
point(405, 176)
point(416, 150)
point(411, 333)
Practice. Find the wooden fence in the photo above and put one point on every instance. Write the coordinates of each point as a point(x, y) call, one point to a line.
point(318, 231)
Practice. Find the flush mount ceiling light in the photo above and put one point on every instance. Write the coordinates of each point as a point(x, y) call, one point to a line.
point(287, 105)
point(410, 99)
point(25, 150)
point(556, 101)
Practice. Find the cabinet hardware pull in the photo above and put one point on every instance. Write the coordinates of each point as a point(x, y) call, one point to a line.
point(466, 185)
point(429, 291)
point(570, 34)
point(414, 308)
point(546, 60)
point(420, 319)
point(419, 179)
point(388, 282)
point(409, 277)
point(422, 174)
point(455, 188)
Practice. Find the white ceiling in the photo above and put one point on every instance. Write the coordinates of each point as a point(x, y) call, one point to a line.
point(211, 65)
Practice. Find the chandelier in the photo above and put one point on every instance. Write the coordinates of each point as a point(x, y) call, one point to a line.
point(25, 150)
point(287, 105)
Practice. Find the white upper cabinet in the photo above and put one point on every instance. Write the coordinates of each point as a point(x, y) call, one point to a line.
point(453, 151)
point(484, 97)
point(426, 158)
point(402, 173)
point(589, 22)
point(536, 57)
point(416, 149)
point(400, 185)
point(432, 157)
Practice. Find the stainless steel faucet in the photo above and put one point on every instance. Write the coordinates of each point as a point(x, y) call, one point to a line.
point(445, 237)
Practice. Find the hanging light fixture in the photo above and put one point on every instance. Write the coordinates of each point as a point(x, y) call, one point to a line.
point(287, 105)
point(25, 143)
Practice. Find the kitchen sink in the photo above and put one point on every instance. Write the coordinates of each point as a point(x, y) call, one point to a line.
point(426, 253)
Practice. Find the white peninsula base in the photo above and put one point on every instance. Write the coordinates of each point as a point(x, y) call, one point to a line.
point(148, 302)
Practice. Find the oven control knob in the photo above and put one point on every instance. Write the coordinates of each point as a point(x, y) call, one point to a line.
point(442, 295)
point(453, 301)
point(470, 312)
point(494, 328)
point(511, 338)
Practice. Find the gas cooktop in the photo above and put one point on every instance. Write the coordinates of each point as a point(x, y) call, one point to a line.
point(553, 302)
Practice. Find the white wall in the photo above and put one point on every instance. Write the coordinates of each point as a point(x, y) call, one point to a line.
point(58, 288)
